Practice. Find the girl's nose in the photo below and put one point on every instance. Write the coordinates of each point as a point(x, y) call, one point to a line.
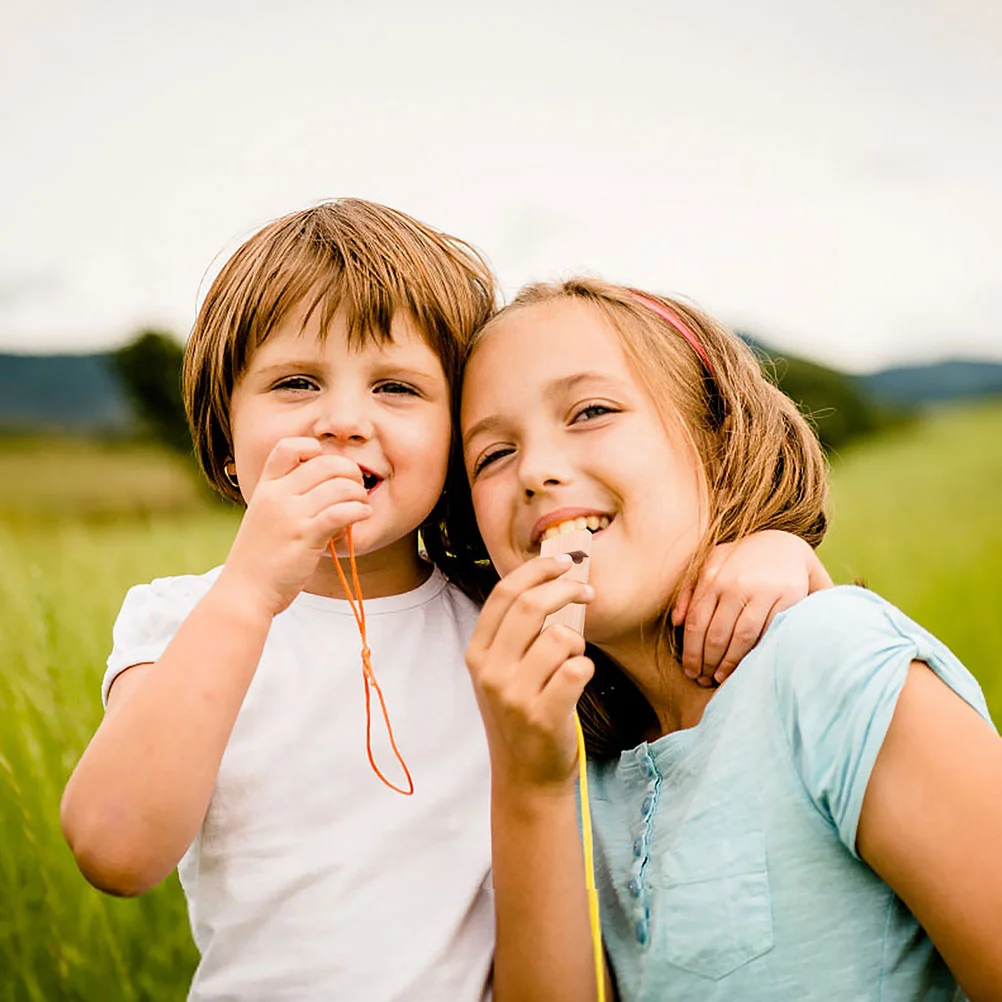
point(541, 472)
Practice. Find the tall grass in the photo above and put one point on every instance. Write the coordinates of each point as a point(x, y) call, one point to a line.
point(60, 589)
point(916, 514)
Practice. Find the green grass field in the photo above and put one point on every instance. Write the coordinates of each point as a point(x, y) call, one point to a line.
point(916, 515)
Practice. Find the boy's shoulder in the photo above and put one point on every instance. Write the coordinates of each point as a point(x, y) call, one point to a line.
point(178, 589)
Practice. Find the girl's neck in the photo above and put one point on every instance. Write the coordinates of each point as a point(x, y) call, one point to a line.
point(678, 702)
point(392, 570)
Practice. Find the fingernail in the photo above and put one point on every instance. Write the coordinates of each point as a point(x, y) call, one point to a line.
point(689, 673)
point(564, 559)
point(719, 676)
point(587, 591)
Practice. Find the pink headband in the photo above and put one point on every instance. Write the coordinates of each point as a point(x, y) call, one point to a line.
point(675, 322)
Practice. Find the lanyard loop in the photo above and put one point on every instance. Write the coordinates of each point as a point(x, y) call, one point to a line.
point(368, 675)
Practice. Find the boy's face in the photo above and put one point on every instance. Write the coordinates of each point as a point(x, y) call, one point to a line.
point(556, 427)
point(385, 407)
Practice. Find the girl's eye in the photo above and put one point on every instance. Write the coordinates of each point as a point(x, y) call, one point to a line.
point(484, 461)
point(397, 389)
point(592, 411)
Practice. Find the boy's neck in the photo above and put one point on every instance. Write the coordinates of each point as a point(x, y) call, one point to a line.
point(393, 570)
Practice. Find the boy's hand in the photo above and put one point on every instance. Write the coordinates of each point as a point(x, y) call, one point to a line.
point(304, 498)
point(528, 683)
point(741, 587)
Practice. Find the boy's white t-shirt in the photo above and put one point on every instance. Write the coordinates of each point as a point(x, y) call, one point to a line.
point(310, 879)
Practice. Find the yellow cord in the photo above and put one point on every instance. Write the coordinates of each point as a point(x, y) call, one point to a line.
point(589, 863)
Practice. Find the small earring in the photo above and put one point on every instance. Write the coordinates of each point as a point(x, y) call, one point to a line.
point(230, 472)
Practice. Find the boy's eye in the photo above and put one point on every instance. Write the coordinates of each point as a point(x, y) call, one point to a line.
point(296, 383)
point(489, 457)
point(394, 388)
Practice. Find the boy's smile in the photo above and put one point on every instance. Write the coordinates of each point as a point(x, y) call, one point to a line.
point(559, 433)
point(383, 406)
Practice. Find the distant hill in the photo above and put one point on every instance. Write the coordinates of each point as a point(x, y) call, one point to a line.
point(63, 393)
point(82, 394)
point(930, 384)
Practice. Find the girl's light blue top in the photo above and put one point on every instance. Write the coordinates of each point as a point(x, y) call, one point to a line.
point(726, 853)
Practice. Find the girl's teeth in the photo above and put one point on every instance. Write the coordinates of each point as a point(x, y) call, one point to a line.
point(593, 522)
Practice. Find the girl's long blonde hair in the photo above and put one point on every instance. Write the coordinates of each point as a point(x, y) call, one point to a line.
point(762, 463)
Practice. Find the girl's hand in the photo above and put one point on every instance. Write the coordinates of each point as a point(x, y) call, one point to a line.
point(528, 683)
point(304, 498)
point(741, 587)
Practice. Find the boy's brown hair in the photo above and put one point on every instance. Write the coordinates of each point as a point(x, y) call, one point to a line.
point(364, 259)
point(761, 461)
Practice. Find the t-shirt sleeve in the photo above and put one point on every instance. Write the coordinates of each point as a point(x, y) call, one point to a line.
point(150, 616)
point(841, 658)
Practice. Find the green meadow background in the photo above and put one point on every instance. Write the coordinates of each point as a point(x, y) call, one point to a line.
point(917, 515)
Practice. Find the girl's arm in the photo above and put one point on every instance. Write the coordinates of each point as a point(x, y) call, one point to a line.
point(138, 795)
point(527, 685)
point(742, 586)
point(931, 826)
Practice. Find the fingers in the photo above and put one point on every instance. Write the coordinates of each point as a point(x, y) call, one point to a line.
point(681, 606)
point(519, 629)
point(717, 634)
point(697, 621)
point(540, 664)
point(287, 454)
point(510, 589)
point(318, 470)
point(751, 623)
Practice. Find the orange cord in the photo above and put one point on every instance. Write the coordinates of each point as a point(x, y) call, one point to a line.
point(368, 676)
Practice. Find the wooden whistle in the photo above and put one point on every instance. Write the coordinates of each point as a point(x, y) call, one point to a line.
point(578, 545)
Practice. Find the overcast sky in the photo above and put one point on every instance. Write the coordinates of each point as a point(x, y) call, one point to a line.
point(827, 175)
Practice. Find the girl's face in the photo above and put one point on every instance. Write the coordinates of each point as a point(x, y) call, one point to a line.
point(556, 426)
point(385, 407)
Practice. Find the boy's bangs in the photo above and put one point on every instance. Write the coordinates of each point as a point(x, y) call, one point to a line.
point(321, 286)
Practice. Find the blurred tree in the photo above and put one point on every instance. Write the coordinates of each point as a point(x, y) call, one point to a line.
point(835, 403)
point(149, 368)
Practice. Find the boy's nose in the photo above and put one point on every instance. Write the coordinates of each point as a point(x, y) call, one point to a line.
point(344, 420)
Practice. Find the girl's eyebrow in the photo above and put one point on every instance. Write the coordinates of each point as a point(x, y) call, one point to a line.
point(554, 388)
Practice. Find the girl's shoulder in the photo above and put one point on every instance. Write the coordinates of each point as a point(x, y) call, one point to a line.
point(838, 662)
point(844, 642)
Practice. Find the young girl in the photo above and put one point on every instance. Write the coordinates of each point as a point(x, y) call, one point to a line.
point(244, 742)
point(824, 826)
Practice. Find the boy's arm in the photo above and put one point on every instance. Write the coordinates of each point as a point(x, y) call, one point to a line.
point(138, 795)
point(742, 586)
point(931, 826)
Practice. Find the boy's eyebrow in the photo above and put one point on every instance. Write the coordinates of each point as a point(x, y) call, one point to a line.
point(294, 362)
point(554, 388)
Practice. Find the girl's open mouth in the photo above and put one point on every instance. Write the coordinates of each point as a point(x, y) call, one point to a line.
point(593, 523)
